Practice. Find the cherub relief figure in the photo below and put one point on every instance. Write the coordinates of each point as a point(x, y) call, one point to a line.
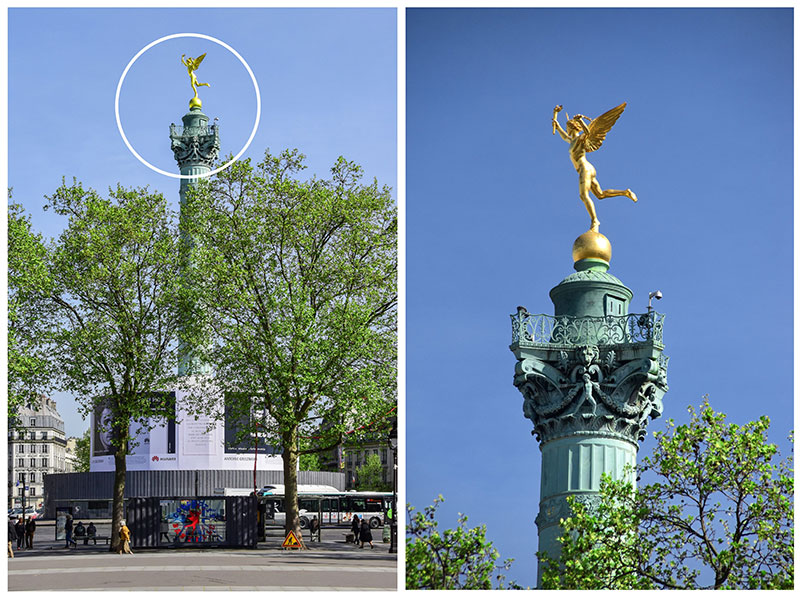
point(583, 139)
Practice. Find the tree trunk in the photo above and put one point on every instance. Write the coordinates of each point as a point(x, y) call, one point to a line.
point(118, 510)
point(290, 456)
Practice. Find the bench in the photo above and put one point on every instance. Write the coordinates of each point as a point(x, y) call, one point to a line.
point(87, 539)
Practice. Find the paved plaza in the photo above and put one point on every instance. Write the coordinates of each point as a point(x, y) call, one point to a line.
point(329, 565)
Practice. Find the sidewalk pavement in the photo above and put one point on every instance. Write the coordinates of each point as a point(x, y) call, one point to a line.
point(328, 565)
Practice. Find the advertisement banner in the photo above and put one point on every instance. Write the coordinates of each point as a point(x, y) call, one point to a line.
point(189, 441)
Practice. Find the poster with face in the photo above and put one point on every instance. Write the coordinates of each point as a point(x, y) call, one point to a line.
point(102, 441)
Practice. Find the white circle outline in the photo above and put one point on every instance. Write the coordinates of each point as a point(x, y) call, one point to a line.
point(232, 51)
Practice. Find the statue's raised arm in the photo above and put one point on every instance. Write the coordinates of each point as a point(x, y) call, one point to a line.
point(582, 139)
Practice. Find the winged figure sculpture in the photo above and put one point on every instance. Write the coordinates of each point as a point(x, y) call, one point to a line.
point(191, 65)
point(582, 139)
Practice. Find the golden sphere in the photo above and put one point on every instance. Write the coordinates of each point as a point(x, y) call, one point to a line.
point(591, 245)
point(195, 102)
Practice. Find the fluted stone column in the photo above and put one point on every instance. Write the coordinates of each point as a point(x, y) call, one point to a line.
point(196, 148)
point(591, 377)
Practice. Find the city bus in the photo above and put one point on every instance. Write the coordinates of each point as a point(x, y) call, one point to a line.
point(331, 506)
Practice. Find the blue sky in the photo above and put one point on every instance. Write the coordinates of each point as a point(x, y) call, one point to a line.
point(328, 82)
point(492, 211)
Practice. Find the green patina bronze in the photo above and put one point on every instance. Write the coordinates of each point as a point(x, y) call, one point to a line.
point(592, 376)
point(196, 148)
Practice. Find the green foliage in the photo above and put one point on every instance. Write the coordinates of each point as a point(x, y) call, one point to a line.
point(297, 284)
point(720, 503)
point(28, 282)
point(370, 475)
point(83, 452)
point(600, 544)
point(117, 309)
point(458, 559)
point(310, 462)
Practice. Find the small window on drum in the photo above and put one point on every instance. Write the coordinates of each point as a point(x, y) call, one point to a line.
point(614, 306)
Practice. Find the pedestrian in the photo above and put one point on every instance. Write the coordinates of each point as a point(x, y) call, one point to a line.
point(91, 534)
point(20, 529)
point(124, 539)
point(313, 527)
point(366, 533)
point(355, 526)
point(12, 535)
point(68, 530)
point(30, 529)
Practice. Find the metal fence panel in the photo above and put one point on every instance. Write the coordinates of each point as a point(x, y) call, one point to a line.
point(100, 484)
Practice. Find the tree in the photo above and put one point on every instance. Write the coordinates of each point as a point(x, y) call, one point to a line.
point(28, 283)
point(297, 282)
point(83, 452)
point(310, 462)
point(719, 516)
point(458, 559)
point(118, 307)
point(370, 475)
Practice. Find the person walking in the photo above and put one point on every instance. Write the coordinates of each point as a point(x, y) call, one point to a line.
point(20, 529)
point(355, 527)
point(12, 535)
point(124, 539)
point(30, 529)
point(366, 533)
point(68, 530)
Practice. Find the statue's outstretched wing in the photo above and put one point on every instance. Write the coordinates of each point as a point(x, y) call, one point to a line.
point(199, 59)
point(600, 126)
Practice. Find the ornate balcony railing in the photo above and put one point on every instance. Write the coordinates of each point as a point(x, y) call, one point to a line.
point(180, 130)
point(529, 329)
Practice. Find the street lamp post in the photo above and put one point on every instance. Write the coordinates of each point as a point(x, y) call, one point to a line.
point(23, 493)
point(393, 446)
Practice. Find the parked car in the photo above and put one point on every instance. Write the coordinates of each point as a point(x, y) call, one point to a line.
point(29, 512)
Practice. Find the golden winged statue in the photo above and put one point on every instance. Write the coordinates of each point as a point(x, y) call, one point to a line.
point(582, 139)
point(191, 65)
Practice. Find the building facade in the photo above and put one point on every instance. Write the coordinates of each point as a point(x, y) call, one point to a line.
point(36, 447)
point(355, 456)
point(71, 455)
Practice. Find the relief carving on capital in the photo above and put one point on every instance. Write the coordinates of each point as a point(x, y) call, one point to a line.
point(196, 149)
point(588, 389)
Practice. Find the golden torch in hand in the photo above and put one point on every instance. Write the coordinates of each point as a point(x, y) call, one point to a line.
point(556, 110)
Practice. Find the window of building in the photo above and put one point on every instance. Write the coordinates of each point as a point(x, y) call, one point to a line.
point(44, 448)
point(32, 477)
point(21, 491)
point(33, 423)
point(383, 456)
point(44, 463)
point(20, 476)
point(20, 462)
point(33, 462)
point(44, 435)
point(32, 490)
